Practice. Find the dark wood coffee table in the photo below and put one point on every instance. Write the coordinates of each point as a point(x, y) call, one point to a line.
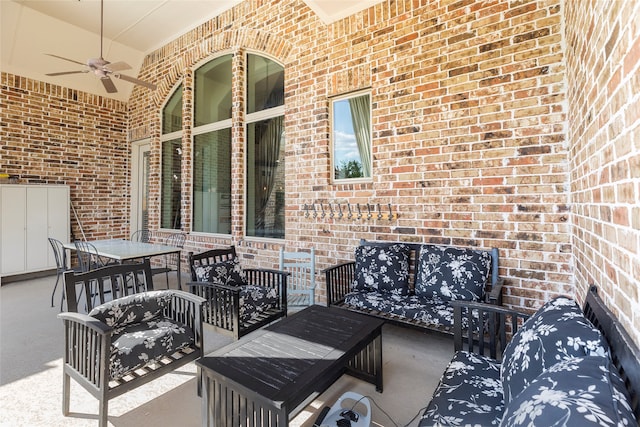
point(268, 376)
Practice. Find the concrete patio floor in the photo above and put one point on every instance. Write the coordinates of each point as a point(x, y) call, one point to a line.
point(31, 345)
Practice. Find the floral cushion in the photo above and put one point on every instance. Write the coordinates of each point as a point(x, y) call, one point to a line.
point(141, 307)
point(255, 300)
point(139, 344)
point(469, 393)
point(451, 273)
point(382, 268)
point(557, 331)
point(222, 273)
point(431, 312)
point(576, 392)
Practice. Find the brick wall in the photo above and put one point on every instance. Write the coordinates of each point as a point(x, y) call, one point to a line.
point(471, 141)
point(603, 61)
point(50, 134)
point(469, 127)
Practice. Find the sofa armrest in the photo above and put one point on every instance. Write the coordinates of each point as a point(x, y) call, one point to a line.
point(490, 327)
point(339, 279)
point(86, 360)
point(495, 295)
point(222, 306)
point(187, 308)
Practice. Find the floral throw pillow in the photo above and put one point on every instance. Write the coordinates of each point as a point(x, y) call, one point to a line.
point(451, 273)
point(556, 332)
point(223, 273)
point(382, 268)
point(574, 392)
point(142, 307)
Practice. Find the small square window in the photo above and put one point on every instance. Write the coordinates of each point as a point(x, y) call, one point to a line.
point(351, 137)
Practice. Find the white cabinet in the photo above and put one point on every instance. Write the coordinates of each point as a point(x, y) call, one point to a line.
point(29, 214)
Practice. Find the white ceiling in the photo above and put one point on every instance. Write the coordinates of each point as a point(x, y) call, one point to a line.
point(132, 28)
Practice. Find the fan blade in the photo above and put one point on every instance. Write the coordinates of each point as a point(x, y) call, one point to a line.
point(65, 59)
point(135, 81)
point(117, 66)
point(108, 85)
point(66, 72)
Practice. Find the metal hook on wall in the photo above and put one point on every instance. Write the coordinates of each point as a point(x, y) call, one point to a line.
point(315, 212)
point(369, 215)
point(350, 215)
point(379, 212)
point(390, 212)
point(340, 214)
point(331, 213)
point(359, 212)
point(323, 214)
point(306, 211)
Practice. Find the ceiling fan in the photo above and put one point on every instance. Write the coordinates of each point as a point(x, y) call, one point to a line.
point(103, 68)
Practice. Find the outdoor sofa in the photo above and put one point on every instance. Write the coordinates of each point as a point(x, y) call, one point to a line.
point(563, 366)
point(412, 284)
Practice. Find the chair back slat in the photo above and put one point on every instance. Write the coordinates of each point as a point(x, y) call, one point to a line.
point(301, 282)
point(104, 284)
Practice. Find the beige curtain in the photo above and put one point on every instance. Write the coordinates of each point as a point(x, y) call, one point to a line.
point(360, 117)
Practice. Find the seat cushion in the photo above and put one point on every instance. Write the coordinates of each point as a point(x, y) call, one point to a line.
point(469, 393)
point(255, 300)
point(131, 309)
point(557, 331)
point(430, 312)
point(382, 268)
point(451, 273)
point(576, 392)
point(141, 343)
point(222, 273)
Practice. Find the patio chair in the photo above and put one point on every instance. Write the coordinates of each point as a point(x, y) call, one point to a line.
point(170, 261)
point(60, 255)
point(143, 235)
point(301, 283)
point(239, 300)
point(129, 340)
point(88, 258)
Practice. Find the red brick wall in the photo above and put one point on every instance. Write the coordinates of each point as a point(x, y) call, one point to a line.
point(484, 133)
point(603, 65)
point(469, 127)
point(50, 134)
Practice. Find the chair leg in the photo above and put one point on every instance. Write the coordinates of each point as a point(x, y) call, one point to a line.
point(103, 412)
point(66, 384)
point(55, 287)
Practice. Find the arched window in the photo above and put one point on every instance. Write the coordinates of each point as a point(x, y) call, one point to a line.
point(212, 147)
point(265, 177)
point(171, 140)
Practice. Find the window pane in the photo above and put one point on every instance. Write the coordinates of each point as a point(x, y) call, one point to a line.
point(265, 178)
point(171, 182)
point(352, 137)
point(212, 182)
point(213, 91)
point(265, 84)
point(172, 113)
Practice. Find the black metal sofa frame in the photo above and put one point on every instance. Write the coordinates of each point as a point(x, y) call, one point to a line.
point(340, 277)
point(500, 323)
point(222, 309)
point(88, 340)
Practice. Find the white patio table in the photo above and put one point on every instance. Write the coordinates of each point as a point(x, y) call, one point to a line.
point(123, 250)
